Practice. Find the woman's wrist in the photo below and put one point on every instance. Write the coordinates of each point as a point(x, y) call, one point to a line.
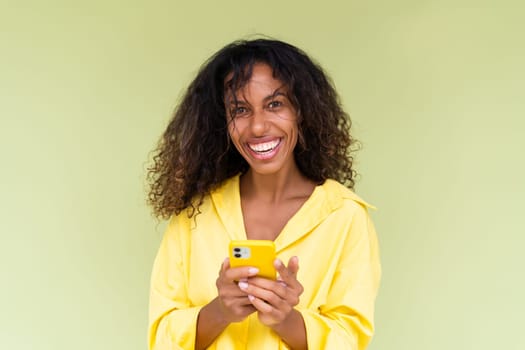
point(292, 330)
point(214, 315)
point(210, 323)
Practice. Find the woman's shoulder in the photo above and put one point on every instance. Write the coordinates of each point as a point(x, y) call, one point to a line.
point(337, 192)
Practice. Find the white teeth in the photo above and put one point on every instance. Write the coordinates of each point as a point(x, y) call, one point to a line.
point(265, 146)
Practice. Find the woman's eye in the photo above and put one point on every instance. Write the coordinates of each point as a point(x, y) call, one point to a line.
point(275, 104)
point(238, 111)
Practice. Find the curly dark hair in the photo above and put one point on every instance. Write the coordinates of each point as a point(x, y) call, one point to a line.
point(194, 155)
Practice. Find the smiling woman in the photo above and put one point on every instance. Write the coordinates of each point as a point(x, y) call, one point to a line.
point(260, 149)
point(262, 123)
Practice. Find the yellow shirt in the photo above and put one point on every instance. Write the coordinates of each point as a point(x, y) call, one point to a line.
point(338, 267)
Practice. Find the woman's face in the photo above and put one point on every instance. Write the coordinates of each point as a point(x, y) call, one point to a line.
point(262, 123)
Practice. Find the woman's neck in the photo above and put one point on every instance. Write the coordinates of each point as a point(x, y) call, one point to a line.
point(275, 188)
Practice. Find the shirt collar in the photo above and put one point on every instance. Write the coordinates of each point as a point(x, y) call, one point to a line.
point(325, 199)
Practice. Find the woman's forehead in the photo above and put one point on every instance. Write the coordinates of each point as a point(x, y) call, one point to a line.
point(260, 77)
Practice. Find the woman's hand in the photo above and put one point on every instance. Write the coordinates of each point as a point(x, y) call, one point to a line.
point(275, 300)
point(231, 305)
point(234, 304)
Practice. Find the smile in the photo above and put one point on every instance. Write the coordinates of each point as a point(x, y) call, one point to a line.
point(264, 147)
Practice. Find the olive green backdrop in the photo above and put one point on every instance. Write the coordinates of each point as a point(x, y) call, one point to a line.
point(436, 92)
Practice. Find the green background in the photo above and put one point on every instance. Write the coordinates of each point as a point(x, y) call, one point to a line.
point(436, 92)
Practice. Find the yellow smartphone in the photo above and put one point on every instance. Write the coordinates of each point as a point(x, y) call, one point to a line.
point(256, 253)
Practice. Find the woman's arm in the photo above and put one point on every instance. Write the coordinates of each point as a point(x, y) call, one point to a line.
point(172, 317)
point(345, 320)
point(231, 305)
point(176, 323)
point(210, 324)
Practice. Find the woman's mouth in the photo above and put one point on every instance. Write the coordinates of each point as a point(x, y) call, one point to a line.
point(264, 150)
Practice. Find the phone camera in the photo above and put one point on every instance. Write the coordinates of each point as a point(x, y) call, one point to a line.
point(237, 255)
point(237, 250)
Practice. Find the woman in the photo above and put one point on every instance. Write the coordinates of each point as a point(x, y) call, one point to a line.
point(259, 148)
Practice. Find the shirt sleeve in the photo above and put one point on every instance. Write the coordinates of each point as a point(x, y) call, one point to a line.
point(345, 321)
point(172, 319)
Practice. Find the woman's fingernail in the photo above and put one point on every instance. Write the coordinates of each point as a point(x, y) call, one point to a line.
point(251, 297)
point(277, 263)
point(253, 270)
point(243, 285)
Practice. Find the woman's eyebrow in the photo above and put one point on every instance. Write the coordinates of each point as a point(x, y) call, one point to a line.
point(275, 94)
point(238, 102)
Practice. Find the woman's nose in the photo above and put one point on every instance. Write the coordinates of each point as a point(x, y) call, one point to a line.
point(259, 122)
